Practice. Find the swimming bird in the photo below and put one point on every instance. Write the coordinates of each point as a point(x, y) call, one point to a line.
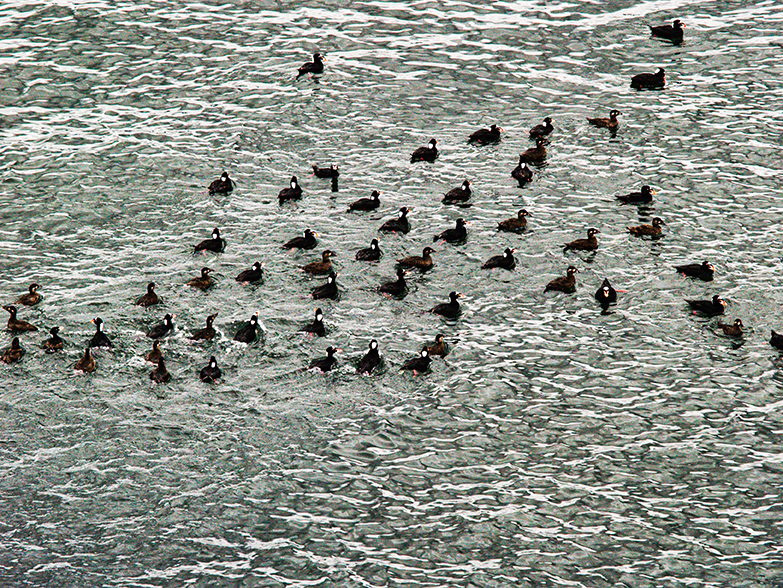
point(653, 230)
point(99, 338)
point(86, 363)
point(215, 244)
point(542, 130)
point(203, 282)
point(486, 136)
point(647, 81)
point(53, 343)
point(322, 267)
point(208, 332)
point(703, 271)
point(514, 225)
point(505, 261)
point(371, 359)
point(450, 309)
point(325, 364)
point(223, 185)
point(776, 340)
point(423, 262)
point(606, 294)
point(456, 235)
point(17, 325)
point(429, 153)
point(397, 288)
point(307, 241)
point(13, 353)
point(522, 173)
point(252, 275)
point(535, 154)
point(646, 195)
point(671, 32)
point(400, 224)
point(363, 204)
point(162, 329)
point(565, 283)
point(153, 356)
point(589, 244)
point(418, 364)
point(159, 374)
point(293, 192)
point(149, 298)
point(456, 195)
point(712, 307)
point(210, 372)
point(247, 332)
point(732, 330)
point(31, 298)
point(317, 326)
point(371, 253)
point(326, 172)
point(440, 347)
point(316, 66)
point(327, 290)
point(606, 123)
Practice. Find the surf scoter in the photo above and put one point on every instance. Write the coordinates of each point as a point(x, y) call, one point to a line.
point(653, 230)
point(327, 290)
point(456, 235)
point(162, 329)
point(323, 267)
point(215, 244)
point(450, 309)
point(429, 153)
point(326, 172)
point(159, 374)
point(53, 343)
point(252, 275)
point(513, 225)
point(223, 185)
point(535, 154)
point(606, 294)
point(317, 326)
point(440, 347)
point(325, 364)
point(371, 253)
point(149, 298)
point(400, 224)
point(423, 262)
point(13, 353)
point(397, 288)
point(522, 173)
point(371, 359)
point(247, 332)
point(703, 271)
point(732, 330)
point(17, 325)
point(671, 32)
point(486, 136)
point(542, 130)
point(203, 282)
point(647, 81)
point(316, 66)
point(87, 362)
point(505, 261)
point(712, 307)
point(154, 354)
point(31, 298)
point(776, 340)
point(307, 241)
point(99, 338)
point(457, 195)
point(208, 332)
point(293, 192)
point(606, 123)
point(566, 283)
point(420, 363)
point(210, 372)
point(589, 244)
point(363, 204)
point(646, 195)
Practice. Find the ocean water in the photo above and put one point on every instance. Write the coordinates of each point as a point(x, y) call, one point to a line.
point(555, 445)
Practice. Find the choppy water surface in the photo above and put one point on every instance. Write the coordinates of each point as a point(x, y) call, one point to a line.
point(555, 446)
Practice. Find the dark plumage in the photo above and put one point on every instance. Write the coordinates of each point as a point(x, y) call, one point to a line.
point(429, 153)
point(522, 173)
point(486, 136)
point(440, 347)
point(535, 154)
point(646, 195)
point(606, 123)
point(371, 253)
point(513, 225)
point(17, 325)
point(371, 359)
point(159, 374)
point(325, 364)
point(647, 81)
point(456, 235)
point(397, 287)
point(542, 130)
point(13, 353)
point(210, 372)
point(223, 185)
point(327, 290)
point(704, 270)
point(461, 194)
point(208, 332)
point(732, 330)
point(203, 282)
point(712, 307)
point(420, 363)
point(776, 340)
point(606, 295)
point(450, 309)
point(99, 338)
point(31, 298)
point(653, 230)
point(87, 362)
point(423, 262)
point(317, 326)
point(326, 172)
point(293, 192)
point(154, 354)
point(53, 343)
point(215, 244)
point(671, 32)
point(252, 275)
point(307, 241)
point(589, 244)
point(323, 267)
point(247, 333)
point(150, 298)
point(162, 329)
point(505, 261)
point(400, 224)
point(371, 203)
point(316, 66)
point(566, 283)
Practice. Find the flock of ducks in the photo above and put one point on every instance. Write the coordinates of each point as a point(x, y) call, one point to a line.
point(606, 295)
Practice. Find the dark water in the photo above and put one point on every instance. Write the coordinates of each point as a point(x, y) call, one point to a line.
point(555, 446)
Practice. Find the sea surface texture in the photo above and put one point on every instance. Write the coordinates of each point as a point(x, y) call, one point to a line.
point(555, 446)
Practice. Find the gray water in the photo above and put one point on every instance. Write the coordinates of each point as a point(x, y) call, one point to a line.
point(554, 446)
